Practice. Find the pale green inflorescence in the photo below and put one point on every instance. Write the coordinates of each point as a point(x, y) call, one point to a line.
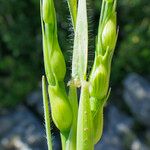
point(61, 110)
point(99, 78)
point(56, 69)
point(109, 1)
point(80, 125)
point(109, 33)
point(48, 14)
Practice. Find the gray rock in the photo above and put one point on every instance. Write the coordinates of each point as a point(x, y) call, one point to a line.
point(147, 136)
point(34, 100)
point(139, 145)
point(137, 97)
point(20, 130)
point(117, 132)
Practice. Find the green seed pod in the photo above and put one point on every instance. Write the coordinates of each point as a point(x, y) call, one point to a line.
point(109, 34)
point(48, 11)
point(99, 82)
point(58, 63)
point(109, 1)
point(60, 108)
point(98, 125)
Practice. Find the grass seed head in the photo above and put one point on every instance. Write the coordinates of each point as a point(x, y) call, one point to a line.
point(99, 82)
point(48, 13)
point(58, 63)
point(109, 1)
point(60, 108)
point(109, 33)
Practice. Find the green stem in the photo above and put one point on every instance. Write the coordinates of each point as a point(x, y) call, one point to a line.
point(46, 114)
point(71, 141)
point(63, 141)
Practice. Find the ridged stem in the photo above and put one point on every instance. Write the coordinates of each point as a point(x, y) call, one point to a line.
point(46, 114)
point(71, 141)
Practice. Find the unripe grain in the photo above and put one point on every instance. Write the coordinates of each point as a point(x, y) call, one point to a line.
point(109, 1)
point(61, 109)
point(58, 63)
point(99, 82)
point(109, 34)
point(48, 13)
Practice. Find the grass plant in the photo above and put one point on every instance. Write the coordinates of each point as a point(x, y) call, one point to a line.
point(80, 125)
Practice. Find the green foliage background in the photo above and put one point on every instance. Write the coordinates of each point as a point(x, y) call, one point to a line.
point(133, 51)
point(21, 60)
point(20, 49)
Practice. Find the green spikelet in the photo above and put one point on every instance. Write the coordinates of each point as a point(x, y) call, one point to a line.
point(80, 125)
point(85, 125)
point(60, 107)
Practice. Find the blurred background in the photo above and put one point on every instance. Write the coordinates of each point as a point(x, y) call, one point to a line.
point(127, 115)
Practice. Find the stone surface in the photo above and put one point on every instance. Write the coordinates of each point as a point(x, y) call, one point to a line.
point(34, 100)
point(137, 97)
point(20, 130)
point(147, 136)
point(139, 145)
point(117, 132)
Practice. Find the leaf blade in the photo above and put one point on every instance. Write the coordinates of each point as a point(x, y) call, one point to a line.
point(46, 114)
point(71, 141)
point(84, 125)
point(80, 50)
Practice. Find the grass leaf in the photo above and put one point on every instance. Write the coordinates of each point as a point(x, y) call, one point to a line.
point(84, 125)
point(71, 141)
point(46, 114)
point(80, 51)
